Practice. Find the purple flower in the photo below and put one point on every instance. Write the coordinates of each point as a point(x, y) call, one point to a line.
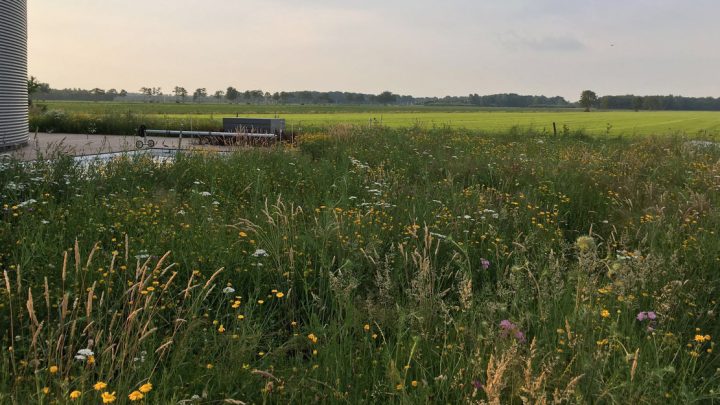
point(651, 315)
point(510, 329)
point(485, 263)
point(477, 384)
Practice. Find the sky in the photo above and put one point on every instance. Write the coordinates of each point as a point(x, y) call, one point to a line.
point(415, 47)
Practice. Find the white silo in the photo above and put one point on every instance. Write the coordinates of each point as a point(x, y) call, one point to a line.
point(13, 73)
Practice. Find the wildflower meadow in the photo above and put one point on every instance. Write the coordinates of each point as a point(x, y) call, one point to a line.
point(366, 265)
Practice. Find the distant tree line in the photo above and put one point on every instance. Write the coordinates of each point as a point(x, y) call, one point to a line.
point(637, 103)
point(42, 91)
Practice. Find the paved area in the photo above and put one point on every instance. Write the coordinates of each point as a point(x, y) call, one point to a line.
point(45, 145)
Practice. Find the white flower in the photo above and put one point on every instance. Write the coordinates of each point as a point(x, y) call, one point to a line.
point(205, 194)
point(260, 253)
point(228, 290)
point(86, 352)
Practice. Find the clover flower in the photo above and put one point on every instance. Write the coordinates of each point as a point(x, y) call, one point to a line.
point(508, 328)
point(485, 263)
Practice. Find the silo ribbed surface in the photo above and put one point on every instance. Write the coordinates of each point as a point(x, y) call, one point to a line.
point(13, 73)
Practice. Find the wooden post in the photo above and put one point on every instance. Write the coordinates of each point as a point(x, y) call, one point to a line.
point(554, 129)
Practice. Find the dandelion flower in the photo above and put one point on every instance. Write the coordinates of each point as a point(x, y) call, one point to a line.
point(221, 329)
point(108, 398)
point(279, 295)
point(136, 396)
point(75, 394)
point(313, 338)
point(100, 385)
point(46, 390)
point(366, 328)
point(605, 313)
point(53, 369)
point(145, 388)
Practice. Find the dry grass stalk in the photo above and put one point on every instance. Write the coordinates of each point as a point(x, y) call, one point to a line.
point(633, 369)
point(31, 308)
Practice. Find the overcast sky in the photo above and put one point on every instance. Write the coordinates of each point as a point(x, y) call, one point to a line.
point(417, 47)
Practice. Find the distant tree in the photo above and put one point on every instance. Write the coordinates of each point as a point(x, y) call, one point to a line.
point(180, 92)
point(112, 93)
point(199, 93)
point(232, 94)
point(97, 92)
point(637, 103)
point(219, 94)
point(123, 93)
point(588, 98)
point(33, 86)
point(386, 97)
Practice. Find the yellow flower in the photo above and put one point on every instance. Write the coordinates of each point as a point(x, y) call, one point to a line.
point(242, 234)
point(53, 369)
point(366, 328)
point(221, 329)
point(46, 390)
point(414, 383)
point(701, 338)
point(91, 359)
point(145, 388)
point(605, 313)
point(75, 394)
point(279, 295)
point(136, 396)
point(313, 338)
point(209, 366)
point(108, 398)
point(99, 386)
point(585, 243)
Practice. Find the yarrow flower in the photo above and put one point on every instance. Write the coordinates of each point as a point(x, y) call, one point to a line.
point(84, 354)
point(228, 290)
point(260, 253)
point(508, 329)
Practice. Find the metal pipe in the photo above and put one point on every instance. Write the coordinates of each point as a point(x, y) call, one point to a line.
point(205, 133)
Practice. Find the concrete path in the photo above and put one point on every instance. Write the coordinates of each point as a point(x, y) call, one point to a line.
point(45, 145)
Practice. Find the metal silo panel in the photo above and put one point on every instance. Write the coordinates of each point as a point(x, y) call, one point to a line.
point(13, 73)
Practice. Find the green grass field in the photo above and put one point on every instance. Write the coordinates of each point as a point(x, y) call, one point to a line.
point(366, 265)
point(111, 118)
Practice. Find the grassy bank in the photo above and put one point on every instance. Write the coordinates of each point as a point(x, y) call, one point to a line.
point(367, 265)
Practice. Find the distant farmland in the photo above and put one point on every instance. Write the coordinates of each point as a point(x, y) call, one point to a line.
point(120, 118)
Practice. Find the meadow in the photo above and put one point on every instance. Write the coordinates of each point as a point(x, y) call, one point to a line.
point(367, 265)
point(124, 118)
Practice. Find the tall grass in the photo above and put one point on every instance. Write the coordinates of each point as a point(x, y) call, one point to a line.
point(367, 265)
